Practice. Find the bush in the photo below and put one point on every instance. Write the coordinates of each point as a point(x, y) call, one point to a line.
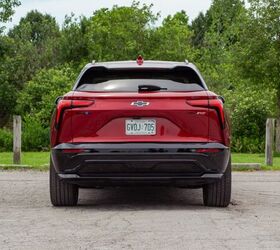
point(38, 96)
point(249, 108)
point(6, 140)
point(34, 137)
point(247, 145)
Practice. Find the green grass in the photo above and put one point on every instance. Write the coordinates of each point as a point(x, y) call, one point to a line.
point(39, 160)
point(256, 158)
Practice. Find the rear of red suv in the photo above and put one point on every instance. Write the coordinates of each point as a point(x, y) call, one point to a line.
point(140, 123)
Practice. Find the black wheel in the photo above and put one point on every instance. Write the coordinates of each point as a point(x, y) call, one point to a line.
point(61, 193)
point(218, 194)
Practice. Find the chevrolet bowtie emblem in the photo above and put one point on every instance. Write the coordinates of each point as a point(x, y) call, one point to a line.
point(140, 104)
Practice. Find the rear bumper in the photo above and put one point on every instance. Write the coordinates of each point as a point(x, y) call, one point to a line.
point(138, 163)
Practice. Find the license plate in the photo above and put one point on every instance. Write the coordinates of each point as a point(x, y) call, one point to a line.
point(140, 127)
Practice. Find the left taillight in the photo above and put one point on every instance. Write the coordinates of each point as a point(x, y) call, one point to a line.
point(69, 103)
point(61, 106)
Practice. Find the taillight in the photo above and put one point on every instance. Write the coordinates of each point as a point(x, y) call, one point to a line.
point(68, 103)
point(61, 106)
point(203, 103)
point(216, 104)
point(81, 103)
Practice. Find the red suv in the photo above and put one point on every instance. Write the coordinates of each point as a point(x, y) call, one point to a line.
point(140, 123)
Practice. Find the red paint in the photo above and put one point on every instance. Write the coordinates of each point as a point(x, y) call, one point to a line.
point(100, 117)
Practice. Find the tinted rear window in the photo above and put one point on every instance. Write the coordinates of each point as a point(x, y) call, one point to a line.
point(128, 80)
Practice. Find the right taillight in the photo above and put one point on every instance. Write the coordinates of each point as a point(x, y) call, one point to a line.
point(214, 103)
point(218, 105)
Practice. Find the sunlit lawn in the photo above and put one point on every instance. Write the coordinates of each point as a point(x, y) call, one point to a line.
point(38, 159)
point(256, 158)
point(34, 159)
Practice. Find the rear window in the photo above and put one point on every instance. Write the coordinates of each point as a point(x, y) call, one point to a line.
point(101, 79)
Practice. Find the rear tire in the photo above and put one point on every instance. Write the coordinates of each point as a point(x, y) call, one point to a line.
point(62, 193)
point(218, 194)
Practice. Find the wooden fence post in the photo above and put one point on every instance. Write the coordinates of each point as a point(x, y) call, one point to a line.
point(277, 138)
point(17, 139)
point(269, 138)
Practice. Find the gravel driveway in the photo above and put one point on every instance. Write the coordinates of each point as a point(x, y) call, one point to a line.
point(139, 218)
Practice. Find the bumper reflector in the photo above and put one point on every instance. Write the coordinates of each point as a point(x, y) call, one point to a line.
point(208, 150)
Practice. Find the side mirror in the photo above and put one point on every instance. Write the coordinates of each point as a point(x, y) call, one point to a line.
point(222, 99)
point(57, 100)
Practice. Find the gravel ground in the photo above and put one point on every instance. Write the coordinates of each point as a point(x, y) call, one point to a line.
point(139, 218)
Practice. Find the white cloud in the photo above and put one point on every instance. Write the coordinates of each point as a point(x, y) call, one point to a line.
point(60, 8)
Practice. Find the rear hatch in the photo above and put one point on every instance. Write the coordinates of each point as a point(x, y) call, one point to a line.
point(138, 105)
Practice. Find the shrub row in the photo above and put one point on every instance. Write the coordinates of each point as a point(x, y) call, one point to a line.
point(34, 137)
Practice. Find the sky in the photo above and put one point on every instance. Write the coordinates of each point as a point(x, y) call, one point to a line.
point(60, 8)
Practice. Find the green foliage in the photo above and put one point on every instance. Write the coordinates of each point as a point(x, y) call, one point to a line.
point(6, 140)
point(223, 20)
point(258, 51)
point(121, 33)
point(35, 137)
point(7, 9)
point(28, 47)
point(200, 27)
point(36, 43)
point(74, 47)
point(38, 95)
point(249, 109)
point(248, 145)
point(35, 28)
point(172, 40)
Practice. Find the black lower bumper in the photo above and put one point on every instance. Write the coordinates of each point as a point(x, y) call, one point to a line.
point(183, 164)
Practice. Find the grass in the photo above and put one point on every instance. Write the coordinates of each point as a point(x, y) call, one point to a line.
point(37, 160)
point(256, 158)
point(40, 160)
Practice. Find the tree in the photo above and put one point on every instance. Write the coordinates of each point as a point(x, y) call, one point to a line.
point(200, 26)
point(38, 95)
point(74, 46)
point(120, 33)
point(7, 9)
point(172, 40)
point(226, 21)
point(35, 46)
point(29, 46)
point(258, 51)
